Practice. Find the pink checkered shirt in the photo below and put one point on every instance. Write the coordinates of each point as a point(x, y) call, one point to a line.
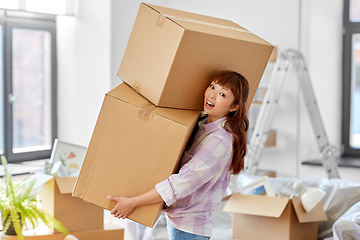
point(192, 194)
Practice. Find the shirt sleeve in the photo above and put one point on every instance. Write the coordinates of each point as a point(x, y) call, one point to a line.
point(199, 170)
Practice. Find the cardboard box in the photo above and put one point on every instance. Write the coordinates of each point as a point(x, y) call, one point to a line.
point(115, 234)
point(273, 56)
point(273, 218)
point(271, 141)
point(134, 146)
point(173, 55)
point(75, 214)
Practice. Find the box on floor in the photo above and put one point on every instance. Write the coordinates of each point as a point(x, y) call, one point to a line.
point(117, 234)
point(273, 218)
point(134, 146)
point(172, 55)
point(73, 213)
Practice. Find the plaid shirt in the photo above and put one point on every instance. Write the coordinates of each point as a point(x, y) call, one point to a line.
point(201, 183)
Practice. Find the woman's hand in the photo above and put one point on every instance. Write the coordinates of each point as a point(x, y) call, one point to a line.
point(123, 207)
point(126, 205)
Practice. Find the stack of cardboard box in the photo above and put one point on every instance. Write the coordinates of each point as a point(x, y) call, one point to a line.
point(83, 220)
point(145, 123)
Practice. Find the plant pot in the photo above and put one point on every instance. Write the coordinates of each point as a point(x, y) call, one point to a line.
point(11, 229)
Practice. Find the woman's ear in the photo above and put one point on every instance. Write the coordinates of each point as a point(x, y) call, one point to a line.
point(234, 108)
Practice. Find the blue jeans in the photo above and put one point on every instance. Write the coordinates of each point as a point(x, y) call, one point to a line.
point(176, 234)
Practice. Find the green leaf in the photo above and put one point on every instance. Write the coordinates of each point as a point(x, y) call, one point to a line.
point(17, 224)
point(56, 223)
point(9, 188)
point(32, 218)
point(4, 213)
point(17, 198)
point(6, 226)
point(28, 190)
point(3, 160)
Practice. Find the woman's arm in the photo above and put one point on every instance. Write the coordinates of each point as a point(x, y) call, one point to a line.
point(211, 156)
point(126, 205)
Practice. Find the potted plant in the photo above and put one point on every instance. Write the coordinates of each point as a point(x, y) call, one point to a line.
point(18, 206)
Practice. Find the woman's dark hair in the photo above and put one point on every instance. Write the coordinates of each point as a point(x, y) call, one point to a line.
point(237, 122)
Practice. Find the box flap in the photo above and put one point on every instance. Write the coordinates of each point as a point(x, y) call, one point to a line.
point(207, 24)
point(125, 93)
point(65, 184)
point(315, 215)
point(41, 179)
point(256, 205)
point(178, 14)
point(184, 117)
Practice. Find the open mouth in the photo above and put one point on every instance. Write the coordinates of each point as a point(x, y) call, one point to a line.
point(209, 104)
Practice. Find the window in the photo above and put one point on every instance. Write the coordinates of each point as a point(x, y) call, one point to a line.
point(351, 79)
point(58, 7)
point(46, 6)
point(28, 101)
point(2, 132)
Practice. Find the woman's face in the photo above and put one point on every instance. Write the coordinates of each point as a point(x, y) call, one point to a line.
point(218, 102)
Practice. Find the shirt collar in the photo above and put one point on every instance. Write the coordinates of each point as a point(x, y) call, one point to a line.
point(210, 127)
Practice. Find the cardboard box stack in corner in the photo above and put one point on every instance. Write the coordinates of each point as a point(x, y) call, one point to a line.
point(261, 217)
point(170, 59)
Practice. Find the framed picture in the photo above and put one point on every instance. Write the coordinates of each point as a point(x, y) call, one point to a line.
point(261, 186)
point(70, 155)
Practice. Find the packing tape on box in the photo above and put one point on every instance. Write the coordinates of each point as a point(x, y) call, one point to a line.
point(161, 19)
point(145, 111)
point(137, 86)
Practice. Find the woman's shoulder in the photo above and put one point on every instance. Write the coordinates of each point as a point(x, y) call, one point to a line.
point(221, 136)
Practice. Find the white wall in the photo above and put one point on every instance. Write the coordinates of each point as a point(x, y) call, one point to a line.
point(123, 14)
point(314, 27)
point(83, 44)
point(324, 53)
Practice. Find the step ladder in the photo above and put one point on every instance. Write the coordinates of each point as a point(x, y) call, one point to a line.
point(288, 60)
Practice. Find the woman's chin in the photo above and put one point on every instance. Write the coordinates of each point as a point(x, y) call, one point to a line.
point(206, 110)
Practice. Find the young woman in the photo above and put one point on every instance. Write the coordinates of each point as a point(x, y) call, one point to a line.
point(216, 151)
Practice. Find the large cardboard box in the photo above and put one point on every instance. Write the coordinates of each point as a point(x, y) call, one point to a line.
point(172, 55)
point(134, 146)
point(273, 218)
point(114, 234)
point(75, 214)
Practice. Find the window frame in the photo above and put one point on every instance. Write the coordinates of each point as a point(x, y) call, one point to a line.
point(349, 28)
point(45, 22)
point(2, 61)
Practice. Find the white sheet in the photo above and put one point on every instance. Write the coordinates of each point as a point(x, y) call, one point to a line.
point(347, 226)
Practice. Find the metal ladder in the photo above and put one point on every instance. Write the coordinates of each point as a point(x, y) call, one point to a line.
point(282, 68)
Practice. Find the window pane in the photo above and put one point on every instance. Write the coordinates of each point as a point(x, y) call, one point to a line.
point(46, 6)
point(9, 4)
point(31, 90)
point(355, 93)
point(2, 132)
point(354, 11)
